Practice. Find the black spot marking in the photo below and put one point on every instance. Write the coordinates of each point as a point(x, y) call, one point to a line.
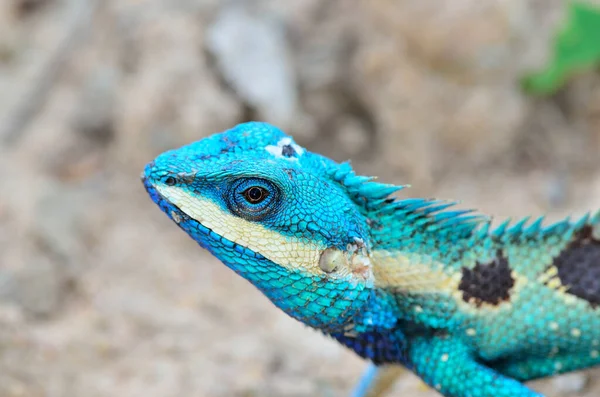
point(487, 283)
point(288, 151)
point(579, 266)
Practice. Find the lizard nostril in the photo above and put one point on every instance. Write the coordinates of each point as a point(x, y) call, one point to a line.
point(147, 171)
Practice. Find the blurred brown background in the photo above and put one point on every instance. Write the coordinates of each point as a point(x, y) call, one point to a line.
point(101, 295)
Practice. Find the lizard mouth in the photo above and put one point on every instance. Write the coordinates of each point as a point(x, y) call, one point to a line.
point(206, 237)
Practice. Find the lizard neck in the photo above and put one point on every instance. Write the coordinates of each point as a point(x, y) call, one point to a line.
point(420, 266)
point(417, 246)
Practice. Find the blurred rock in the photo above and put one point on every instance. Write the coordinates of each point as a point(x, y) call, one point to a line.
point(8, 285)
point(95, 113)
point(61, 228)
point(177, 100)
point(39, 288)
point(9, 36)
point(439, 94)
point(252, 55)
point(352, 137)
point(26, 7)
point(54, 256)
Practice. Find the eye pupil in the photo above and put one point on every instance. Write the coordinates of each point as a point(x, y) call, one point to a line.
point(252, 198)
point(255, 194)
point(170, 181)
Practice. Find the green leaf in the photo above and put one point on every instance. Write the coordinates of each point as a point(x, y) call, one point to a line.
point(576, 49)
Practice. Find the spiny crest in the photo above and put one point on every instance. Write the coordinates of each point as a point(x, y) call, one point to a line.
point(433, 215)
point(375, 200)
point(366, 193)
point(522, 230)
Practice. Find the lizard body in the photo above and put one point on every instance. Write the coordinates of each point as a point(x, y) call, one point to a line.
point(473, 311)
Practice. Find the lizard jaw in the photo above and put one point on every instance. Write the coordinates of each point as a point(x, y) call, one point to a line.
point(286, 251)
point(352, 265)
point(306, 297)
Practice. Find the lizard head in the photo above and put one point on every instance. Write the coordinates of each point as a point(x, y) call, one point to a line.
point(274, 213)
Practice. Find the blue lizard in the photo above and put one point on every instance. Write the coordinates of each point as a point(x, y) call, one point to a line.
point(473, 311)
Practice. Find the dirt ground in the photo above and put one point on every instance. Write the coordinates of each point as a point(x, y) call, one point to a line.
point(101, 295)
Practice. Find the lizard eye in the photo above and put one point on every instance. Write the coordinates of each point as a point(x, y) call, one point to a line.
point(170, 181)
point(255, 194)
point(252, 198)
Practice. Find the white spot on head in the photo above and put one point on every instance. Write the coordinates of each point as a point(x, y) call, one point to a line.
point(595, 342)
point(418, 309)
point(471, 332)
point(554, 325)
point(594, 354)
point(576, 333)
point(444, 357)
point(277, 150)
